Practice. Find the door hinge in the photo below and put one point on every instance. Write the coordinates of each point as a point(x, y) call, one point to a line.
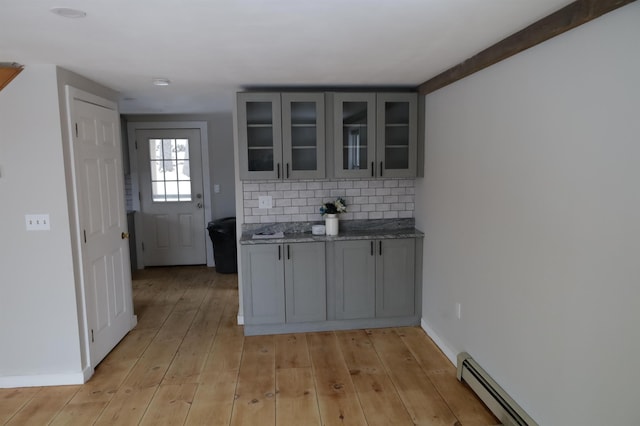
point(143, 246)
point(136, 144)
point(92, 336)
point(76, 130)
point(84, 231)
point(139, 197)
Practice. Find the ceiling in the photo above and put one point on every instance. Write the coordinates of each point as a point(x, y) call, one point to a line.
point(210, 49)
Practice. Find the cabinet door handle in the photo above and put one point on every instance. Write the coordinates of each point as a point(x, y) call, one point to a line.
point(287, 170)
point(373, 169)
point(380, 245)
point(278, 166)
point(371, 248)
point(279, 253)
point(381, 169)
point(288, 251)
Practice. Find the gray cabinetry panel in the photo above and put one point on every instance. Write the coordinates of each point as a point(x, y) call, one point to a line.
point(395, 278)
point(303, 135)
point(354, 263)
point(305, 282)
point(397, 134)
point(264, 284)
point(259, 135)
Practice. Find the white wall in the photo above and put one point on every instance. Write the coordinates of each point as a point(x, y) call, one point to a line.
point(38, 317)
point(531, 209)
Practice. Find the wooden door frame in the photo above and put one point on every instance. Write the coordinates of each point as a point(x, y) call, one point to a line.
point(72, 93)
point(132, 128)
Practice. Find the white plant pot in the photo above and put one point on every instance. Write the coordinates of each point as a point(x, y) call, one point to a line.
point(331, 224)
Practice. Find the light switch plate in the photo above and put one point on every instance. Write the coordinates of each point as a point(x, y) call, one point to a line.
point(265, 202)
point(37, 222)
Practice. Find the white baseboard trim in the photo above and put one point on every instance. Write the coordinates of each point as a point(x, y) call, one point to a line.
point(448, 352)
point(240, 319)
point(45, 380)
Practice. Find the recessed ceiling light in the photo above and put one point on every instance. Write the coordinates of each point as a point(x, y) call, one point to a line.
point(66, 12)
point(161, 82)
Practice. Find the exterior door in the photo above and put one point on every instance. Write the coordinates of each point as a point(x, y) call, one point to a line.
point(171, 197)
point(102, 223)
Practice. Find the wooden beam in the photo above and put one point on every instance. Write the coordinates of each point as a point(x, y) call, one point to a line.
point(8, 72)
point(565, 19)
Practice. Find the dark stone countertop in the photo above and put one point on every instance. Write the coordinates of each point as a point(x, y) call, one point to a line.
point(349, 230)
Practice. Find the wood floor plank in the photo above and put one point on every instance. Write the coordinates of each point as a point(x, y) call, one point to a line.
point(255, 401)
point(337, 399)
point(213, 402)
point(292, 351)
point(464, 404)
point(420, 397)
point(377, 394)
point(170, 405)
point(225, 356)
point(126, 407)
point(428, 355)
point(152, 366)
point(188, 362)
point(12, 400)
point(296, 401)
point(44, 406)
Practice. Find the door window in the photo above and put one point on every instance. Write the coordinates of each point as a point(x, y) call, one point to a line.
point(170, 175)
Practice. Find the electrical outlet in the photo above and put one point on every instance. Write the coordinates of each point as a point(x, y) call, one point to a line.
point(37, 222)
point(458, 311)
point(265, 202)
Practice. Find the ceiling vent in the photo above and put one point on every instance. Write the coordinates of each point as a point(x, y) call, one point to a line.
point(8, 71)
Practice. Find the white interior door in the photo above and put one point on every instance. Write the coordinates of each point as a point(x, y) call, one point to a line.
point(103, 225)
point(171, 197)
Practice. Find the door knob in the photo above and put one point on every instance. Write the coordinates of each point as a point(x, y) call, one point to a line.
point(124, 235)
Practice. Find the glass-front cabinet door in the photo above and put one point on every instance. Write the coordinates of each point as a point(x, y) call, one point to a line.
point(260, 135)
point(303, 135)
point(354, 135)
point(397, 115)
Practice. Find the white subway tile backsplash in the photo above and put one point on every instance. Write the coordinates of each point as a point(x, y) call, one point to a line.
point(300, 201)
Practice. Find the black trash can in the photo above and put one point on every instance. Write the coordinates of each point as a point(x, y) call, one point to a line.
point(223, 237)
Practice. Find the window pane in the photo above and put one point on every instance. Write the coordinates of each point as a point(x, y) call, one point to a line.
point(157, 189)
point(172, 191)
point(183, 170)
point(185, 190)
point(170, 170)
point(182, 148)
point(155, 149)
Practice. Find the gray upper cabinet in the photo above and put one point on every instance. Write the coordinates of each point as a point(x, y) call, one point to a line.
point(354, 136)
point(303, 135)
point(375, 135)
point(397, 134)
point(281, 136)
point(260, 135)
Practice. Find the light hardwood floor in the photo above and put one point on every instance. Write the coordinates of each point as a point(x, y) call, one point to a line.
point(187, 362)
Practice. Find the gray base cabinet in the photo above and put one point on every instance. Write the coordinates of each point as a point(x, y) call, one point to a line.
point(334, 285)
point(264, 278)
point(284, 283)
point(375, 278)
point(305, 282)
point(395, 278)
point(355, 278)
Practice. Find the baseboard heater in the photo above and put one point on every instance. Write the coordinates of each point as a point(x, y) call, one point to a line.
point(494, 397)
